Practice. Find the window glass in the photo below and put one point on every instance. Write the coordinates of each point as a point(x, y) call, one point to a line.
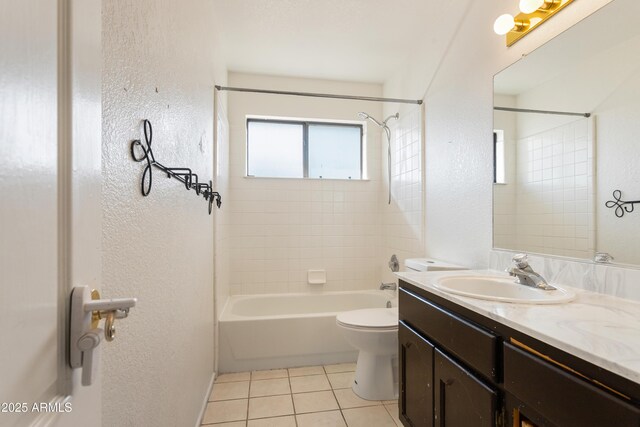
point(305, 149)
point(334, 152)
point(274, 149)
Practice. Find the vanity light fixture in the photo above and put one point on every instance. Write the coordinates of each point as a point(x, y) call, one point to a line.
point(532, 14)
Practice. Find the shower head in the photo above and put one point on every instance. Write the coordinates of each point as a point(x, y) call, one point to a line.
point(365, 116)
point(393, 116)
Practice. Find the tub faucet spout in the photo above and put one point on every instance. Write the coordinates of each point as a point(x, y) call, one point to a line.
point(389, 286)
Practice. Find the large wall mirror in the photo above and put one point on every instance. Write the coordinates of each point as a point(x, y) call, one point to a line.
point(562, 178)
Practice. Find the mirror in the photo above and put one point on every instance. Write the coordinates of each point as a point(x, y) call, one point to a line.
point(563, 180)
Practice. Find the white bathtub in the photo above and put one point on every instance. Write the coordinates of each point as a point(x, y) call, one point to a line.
point(285, 330)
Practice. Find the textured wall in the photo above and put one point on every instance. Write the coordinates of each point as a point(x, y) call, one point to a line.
point(159, 64)
point(458, 93)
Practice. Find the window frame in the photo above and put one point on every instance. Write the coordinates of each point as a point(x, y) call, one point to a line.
point(305, 143)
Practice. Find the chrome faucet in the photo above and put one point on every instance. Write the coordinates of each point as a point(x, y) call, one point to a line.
point(525, 275)
point(389, 286)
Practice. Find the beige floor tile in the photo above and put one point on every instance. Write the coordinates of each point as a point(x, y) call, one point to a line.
point(341, 380)
point(232, 424)
point(270, 387)
point(225, 411)
point(367, 417)
point(348, 399)
point(390, 402)
point(309, 383)
point(341, 367)
point(289, 421)
point(272, 406)
point(321, 419)
point(393, 410)
point(229, 391)
point(314, 402)
point(237, 376)
point(270, 374)
point(306, 370)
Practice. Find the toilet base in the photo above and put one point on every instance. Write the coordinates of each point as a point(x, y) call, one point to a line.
point(376, 377)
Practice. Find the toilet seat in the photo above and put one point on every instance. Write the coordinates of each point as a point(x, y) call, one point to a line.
point(376, 319)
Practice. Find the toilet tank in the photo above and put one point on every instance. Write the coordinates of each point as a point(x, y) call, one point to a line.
point(429, 264)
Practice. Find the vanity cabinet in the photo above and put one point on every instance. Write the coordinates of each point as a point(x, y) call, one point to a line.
point(461, 398)
point(557, 397)
point(416, 378)
point(461, 369)
point(436, 389)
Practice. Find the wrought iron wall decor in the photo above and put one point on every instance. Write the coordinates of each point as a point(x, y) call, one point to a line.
point(620, 205)
point(184, 175)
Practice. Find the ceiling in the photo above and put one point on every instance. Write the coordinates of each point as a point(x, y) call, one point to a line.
point(352, 40)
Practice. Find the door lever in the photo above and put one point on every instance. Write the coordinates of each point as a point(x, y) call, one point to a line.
point(84, 335)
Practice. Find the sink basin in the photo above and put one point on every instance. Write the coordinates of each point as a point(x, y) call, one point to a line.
point(502, 289)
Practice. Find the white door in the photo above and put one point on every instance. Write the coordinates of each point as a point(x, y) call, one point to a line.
point(50, 213)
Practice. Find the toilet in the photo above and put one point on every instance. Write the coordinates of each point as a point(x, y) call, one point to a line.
point(374, 332)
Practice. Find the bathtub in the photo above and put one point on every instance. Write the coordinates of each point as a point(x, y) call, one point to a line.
point(286, 330)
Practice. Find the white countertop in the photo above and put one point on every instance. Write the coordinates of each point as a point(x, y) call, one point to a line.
point(598, 328)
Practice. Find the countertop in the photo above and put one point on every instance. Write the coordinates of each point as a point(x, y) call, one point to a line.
point(598, 328)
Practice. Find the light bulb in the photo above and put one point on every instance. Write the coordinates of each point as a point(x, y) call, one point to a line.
point(530, 6)
point(504, 24)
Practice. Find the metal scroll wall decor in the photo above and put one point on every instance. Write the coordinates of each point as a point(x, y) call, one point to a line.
point(184, 175)
point(620, 205)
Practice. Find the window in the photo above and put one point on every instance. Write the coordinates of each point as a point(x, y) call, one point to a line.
point(498, 157)
point(304, 149)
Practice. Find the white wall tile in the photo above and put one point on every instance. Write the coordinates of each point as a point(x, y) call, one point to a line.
point(550, 195)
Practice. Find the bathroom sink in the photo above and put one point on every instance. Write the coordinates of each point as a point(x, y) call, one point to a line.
point(502, 289)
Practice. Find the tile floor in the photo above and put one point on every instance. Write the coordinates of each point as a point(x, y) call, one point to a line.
point(313, 396)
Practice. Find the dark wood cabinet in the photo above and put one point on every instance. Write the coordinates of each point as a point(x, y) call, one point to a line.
point(561, 397)
point(461, 369)
point(435, 390)
point(416, 378)
point(460, 398)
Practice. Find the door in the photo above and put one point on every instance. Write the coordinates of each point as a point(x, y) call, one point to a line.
point(50, 211)
point(416, 378)
point(461, 399)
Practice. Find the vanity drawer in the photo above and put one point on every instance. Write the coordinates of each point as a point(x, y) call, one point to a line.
point(475, 346)
point(561, 397)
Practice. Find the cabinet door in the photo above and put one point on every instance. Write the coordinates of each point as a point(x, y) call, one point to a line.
point(561, 396)
point(461, 399)
point(416, 378)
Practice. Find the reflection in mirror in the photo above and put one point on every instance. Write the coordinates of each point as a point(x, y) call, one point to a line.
point(561, 170)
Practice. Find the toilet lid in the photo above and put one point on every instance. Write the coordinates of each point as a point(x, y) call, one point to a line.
point(370, 318)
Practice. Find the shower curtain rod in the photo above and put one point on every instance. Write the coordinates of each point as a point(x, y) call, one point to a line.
point(525, 110)
point(320, 95)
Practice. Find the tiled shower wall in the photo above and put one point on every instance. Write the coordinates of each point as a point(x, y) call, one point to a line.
point(554, 193)
point(281, 228)
point(402, 219)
